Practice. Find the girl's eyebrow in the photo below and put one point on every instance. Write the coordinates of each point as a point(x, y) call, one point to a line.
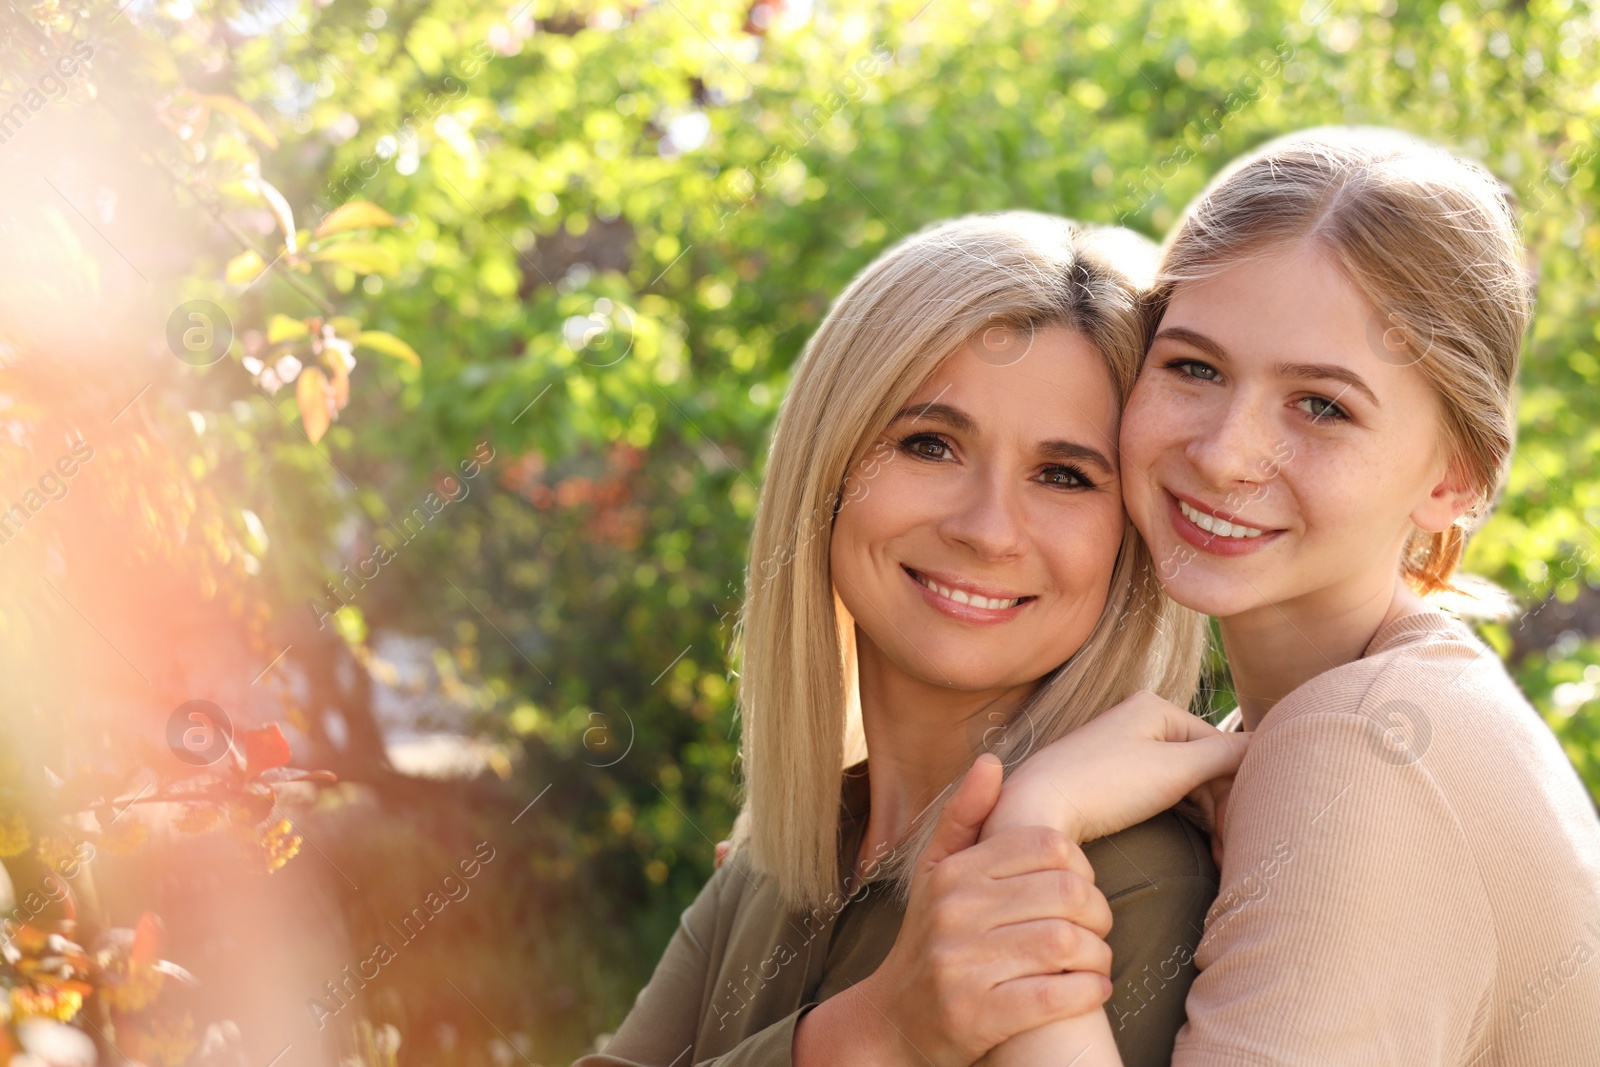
point(1299, 371)
point(1192, 338)
point(1313, 372)
point(957, 419)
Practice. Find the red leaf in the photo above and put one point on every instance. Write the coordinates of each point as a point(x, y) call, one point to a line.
point(264, 748)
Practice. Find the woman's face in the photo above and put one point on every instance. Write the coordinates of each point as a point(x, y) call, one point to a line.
point(1279, 444)
point(976, 544)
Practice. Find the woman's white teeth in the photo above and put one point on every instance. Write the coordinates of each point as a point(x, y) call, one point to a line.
point(962, 597)
point(1213, 525)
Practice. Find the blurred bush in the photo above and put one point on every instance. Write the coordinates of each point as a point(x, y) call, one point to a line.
point(511, 294)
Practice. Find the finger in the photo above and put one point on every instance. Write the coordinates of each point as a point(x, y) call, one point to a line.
point(1217, 755)
point(1027, 898)
point(1189, 766)
point(722, 850)
point(1045, 946)
point(1025, 849)
point(962, 816)
point(1179, 723)
point(1028, 1003)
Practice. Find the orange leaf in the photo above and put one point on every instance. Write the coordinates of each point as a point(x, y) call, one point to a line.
point(312, 393)
point(340, 378)
point(146, 941)
point(264, 748)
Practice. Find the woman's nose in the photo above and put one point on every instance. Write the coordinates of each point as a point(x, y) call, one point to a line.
point(1238, 449)
point(986, 516)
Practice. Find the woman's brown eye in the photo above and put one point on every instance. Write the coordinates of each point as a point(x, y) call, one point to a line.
point(1066, 477)
point(925, 445)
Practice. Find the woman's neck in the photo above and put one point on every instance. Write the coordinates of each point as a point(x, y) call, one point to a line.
point(920, 737)
point(1274, 649)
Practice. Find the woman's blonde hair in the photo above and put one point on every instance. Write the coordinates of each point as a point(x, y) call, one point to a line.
point(886, 333)
point(1431, 241)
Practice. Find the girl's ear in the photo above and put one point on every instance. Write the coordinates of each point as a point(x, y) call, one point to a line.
point(1450, 498)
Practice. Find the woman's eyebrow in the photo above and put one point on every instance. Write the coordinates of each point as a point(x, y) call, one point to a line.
point(1074, 450)
point(953, 417)
point(957, 419)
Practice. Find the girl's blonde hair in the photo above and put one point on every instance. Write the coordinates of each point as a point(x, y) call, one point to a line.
point(1431, 241)
point(889, 330)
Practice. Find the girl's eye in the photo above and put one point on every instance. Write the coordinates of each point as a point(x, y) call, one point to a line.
point(1321, 408)
point(1066, 478)
point(925, 446)
point(1193, 368)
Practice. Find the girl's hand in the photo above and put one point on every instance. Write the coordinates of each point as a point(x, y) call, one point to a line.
point(998, 938)
point(1125, 766)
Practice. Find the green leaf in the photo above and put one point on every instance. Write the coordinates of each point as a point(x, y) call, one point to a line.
point(280, 211)
point(363, 257)
point(356, 215)
point(282, 328)
point(245, 268)
point(389, 345)
point(240, 112)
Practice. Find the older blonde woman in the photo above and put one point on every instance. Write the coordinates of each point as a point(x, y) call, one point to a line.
point(941, 566)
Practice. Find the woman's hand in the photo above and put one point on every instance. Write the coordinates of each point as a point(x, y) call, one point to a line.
point(1124, 766)
point(998, 938)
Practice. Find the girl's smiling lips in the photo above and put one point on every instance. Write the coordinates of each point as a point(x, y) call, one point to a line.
point(962, 599)
point(1223, 533)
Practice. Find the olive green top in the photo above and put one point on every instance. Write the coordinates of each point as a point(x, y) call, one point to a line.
point(740, 970)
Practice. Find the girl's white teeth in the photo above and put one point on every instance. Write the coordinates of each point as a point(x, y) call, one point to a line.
point(1213, 525)
point(963, 597)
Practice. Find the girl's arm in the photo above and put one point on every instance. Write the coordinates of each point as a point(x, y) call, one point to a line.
point(969, 968)
point(1129, 764)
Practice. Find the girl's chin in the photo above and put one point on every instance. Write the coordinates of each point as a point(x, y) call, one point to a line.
point(1216, 595)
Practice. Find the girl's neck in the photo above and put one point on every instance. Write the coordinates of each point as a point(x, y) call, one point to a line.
point(1276, 648)
point(920, 737)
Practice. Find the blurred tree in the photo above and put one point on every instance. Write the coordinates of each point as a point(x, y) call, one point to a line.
point(614, 226)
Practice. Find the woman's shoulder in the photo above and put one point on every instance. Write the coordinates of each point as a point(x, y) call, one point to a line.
point(1166, 850)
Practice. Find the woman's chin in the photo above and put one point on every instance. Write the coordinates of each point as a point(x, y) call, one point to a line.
point(971, 673)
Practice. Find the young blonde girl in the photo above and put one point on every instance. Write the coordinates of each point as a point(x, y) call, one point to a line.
point(1412, 867)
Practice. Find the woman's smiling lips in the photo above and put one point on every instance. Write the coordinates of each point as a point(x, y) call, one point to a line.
point(965, 600)
point(1210, 532)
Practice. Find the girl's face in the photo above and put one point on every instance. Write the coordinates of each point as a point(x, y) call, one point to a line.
point(976, 542)
point(1279, 445)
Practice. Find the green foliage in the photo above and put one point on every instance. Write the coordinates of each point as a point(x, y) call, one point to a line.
point(616, 227)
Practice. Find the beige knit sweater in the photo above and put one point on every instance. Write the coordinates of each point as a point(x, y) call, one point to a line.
point(1412, 875)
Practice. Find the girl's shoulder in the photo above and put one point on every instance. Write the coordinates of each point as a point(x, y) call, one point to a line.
point(1414, 669)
